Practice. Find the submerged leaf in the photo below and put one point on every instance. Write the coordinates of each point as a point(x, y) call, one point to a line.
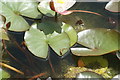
point(94, 62)
point(90, 20)
point(48, 27)
point(99, 40)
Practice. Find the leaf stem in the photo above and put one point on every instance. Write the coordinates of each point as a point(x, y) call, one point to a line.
point(37, 76)
point(56, 18)
point(12, 68)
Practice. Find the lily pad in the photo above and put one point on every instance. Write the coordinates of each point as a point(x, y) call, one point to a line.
point(116, 77)
point(13, 10)
point(45, 8)
point(71, 33)
point(37, 42)
point(2, 20)
point(118, 54)
point(3, 34)
point(60, 43)
point(89, 76)
point(99, 41)
point(113, 6)
point(25, 8)
point(4, 74)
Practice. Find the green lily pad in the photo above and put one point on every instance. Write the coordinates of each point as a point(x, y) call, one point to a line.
point(113, 6)
point(2, 20)
point(118, 54)
point(37, 42)
point(71, 33)
point(99, 41)
point(89, 76)
point(13, 10)
point(3, 34)
point(4, 74)
point(60, 43)
point(26, 8)
point(45, 8)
